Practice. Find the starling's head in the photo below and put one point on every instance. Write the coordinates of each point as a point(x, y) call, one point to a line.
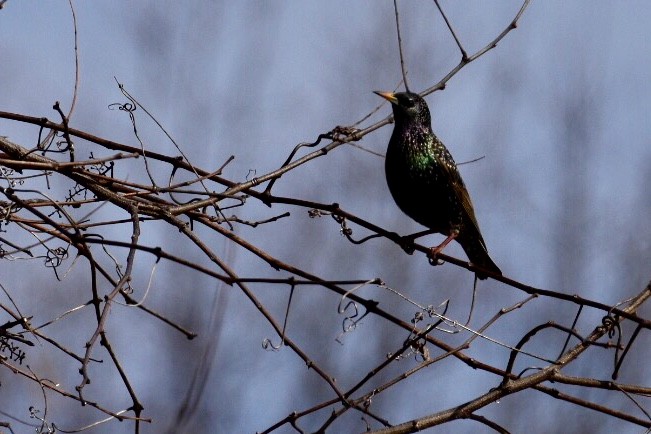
point(408, 108)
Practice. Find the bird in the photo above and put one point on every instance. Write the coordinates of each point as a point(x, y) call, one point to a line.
point(425, 183)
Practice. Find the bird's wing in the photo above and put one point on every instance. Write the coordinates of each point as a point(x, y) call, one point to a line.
point(461, 192)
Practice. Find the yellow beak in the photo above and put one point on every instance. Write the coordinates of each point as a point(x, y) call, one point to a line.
point(389, 96)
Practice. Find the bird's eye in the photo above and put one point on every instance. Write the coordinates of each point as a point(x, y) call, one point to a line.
point(409, 102)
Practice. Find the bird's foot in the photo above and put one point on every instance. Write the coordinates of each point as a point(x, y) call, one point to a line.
point(433, 253)
point(433, 258)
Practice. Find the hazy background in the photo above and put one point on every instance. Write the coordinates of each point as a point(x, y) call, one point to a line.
point(560, 110)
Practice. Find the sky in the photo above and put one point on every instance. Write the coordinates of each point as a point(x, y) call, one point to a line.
point(558, 111)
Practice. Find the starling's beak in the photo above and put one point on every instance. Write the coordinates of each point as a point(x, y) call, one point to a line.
point(391, 97)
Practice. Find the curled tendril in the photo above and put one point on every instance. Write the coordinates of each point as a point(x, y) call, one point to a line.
point(348, 232)
point(350, 322)
point(269, 346)
point(611, 325)
point(55, 257)
point(432, 310)
point(249, 177)
point(126, 107)
point(266, 343)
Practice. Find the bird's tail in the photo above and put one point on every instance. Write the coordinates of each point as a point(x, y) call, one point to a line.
point(478, 255)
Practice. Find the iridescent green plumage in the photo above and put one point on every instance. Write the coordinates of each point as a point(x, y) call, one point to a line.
point(424, 180)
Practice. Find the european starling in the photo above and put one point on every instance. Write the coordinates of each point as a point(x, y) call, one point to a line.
point(425, 183)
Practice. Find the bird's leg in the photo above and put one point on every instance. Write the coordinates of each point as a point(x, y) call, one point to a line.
point(434, 251)
point(407, 241)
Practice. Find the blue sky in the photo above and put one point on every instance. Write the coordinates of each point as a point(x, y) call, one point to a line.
point(559, 110)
